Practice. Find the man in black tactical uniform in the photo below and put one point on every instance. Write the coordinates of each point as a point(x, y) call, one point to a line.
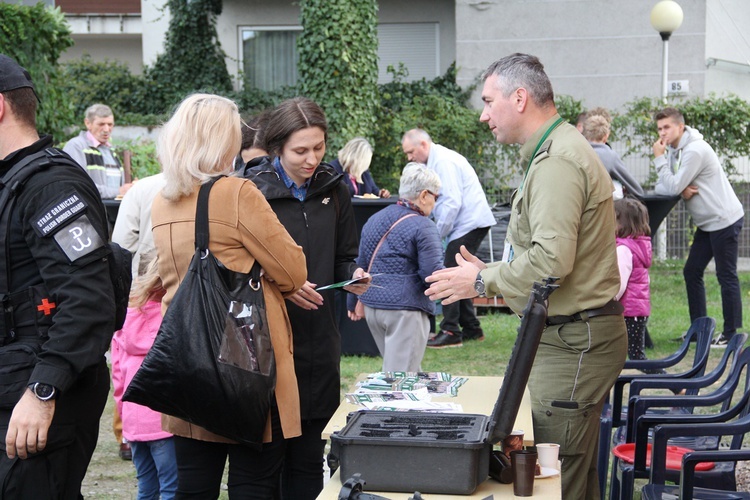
point(58, 310)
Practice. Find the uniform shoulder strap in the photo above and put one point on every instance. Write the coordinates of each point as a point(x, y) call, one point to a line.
point(10, 185)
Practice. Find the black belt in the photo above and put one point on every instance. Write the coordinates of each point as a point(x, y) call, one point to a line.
point(613, 307)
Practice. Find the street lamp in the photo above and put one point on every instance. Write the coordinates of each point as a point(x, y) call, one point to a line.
point(666, 17)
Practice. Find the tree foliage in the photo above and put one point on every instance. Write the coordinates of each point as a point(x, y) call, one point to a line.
point(36, 37)
point(193, 59)
point(723, 121)
point(338, 64)
point(108, 82)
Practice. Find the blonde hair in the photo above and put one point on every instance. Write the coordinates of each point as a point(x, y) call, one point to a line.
point(355, 157)
point(595, 128)
point(198, 143)
point(147, 285)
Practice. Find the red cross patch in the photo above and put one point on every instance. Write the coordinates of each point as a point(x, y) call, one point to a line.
point(46, 307)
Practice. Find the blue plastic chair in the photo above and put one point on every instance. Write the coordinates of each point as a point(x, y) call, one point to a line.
point(700, 333)
point(623, 475)
point(715, 488)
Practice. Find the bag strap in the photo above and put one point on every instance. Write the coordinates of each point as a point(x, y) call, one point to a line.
point(380, 243)
point(201, 215)
point(201, 226)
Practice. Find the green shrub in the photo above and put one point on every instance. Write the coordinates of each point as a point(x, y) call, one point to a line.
point(109, 82)
point(35, 37)
point(398, 92)
point(144, 162)
point(569, 108)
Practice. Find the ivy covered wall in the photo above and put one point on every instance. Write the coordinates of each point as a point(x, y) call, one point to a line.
point(338, 64)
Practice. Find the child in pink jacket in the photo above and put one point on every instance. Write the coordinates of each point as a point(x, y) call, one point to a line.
point(634, 259)
point(153, 449)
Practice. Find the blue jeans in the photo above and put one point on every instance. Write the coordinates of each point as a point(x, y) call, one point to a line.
point(156, 467)
point(723, 247)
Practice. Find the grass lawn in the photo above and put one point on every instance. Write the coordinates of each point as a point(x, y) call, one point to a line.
point(669, 319)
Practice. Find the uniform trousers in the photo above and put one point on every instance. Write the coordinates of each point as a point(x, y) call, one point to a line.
point(58, 471)
point(401, 337)
point(575, 367)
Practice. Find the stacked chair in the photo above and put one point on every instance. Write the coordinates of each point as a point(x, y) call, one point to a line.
point(699, 334)
point(686, 490)
point(642, 416)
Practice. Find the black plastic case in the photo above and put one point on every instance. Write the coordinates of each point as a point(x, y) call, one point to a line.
point(446, 453)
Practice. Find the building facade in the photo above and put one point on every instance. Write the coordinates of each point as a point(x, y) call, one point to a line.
point(603, 52)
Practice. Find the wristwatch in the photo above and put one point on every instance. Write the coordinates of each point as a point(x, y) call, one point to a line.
point(43, 392)
point(479, 285)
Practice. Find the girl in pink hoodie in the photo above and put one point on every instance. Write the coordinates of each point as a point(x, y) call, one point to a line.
point(153, 449)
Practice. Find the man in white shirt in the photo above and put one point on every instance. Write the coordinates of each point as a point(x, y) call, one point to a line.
point(463, 217)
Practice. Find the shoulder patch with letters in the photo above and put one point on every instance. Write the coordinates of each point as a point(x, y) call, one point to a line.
point(78, 238)
point(65, 219)
point(58, 214)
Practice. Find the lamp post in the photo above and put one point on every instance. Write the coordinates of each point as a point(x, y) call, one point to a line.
point(666, 17)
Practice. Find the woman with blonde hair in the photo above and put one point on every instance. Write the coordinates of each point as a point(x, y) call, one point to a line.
point(197, 145)
point(354, 162)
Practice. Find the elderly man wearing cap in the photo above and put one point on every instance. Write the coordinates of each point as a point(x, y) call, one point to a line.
point(57, 302)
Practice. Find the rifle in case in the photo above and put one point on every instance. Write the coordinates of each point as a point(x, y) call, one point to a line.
point(446, 453)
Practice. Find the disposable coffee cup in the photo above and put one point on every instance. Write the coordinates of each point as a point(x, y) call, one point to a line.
point(513, 441)
point(524, 465)
point(549, 454)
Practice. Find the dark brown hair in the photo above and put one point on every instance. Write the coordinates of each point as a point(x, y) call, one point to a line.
point(23, 103)
point(252, 131)
point(672, 113)
point(632, 218)
point(289, 117)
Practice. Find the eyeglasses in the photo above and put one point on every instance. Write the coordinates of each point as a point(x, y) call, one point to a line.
point(436, 196)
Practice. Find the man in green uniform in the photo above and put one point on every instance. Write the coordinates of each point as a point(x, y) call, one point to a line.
point(562, 224)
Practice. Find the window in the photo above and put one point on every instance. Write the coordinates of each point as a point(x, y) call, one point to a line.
point(269, 54)
point(414, 44)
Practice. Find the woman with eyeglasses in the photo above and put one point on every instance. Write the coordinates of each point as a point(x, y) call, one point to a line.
point(400, 247)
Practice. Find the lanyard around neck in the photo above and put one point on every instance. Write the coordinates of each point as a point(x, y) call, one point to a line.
point(539, 145)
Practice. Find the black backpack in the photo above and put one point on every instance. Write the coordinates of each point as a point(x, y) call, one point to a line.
point(119, 259)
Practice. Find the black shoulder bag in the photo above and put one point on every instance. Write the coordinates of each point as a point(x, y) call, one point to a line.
point(212, 362)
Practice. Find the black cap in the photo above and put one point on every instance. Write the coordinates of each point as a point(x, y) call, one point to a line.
point(13, 76)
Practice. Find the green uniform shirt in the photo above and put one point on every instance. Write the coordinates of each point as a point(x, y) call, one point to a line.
point(562, 224)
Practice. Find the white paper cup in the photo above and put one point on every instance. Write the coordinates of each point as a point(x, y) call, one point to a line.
point(548, 454)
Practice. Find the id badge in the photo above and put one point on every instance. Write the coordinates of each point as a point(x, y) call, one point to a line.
point(507, 251)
